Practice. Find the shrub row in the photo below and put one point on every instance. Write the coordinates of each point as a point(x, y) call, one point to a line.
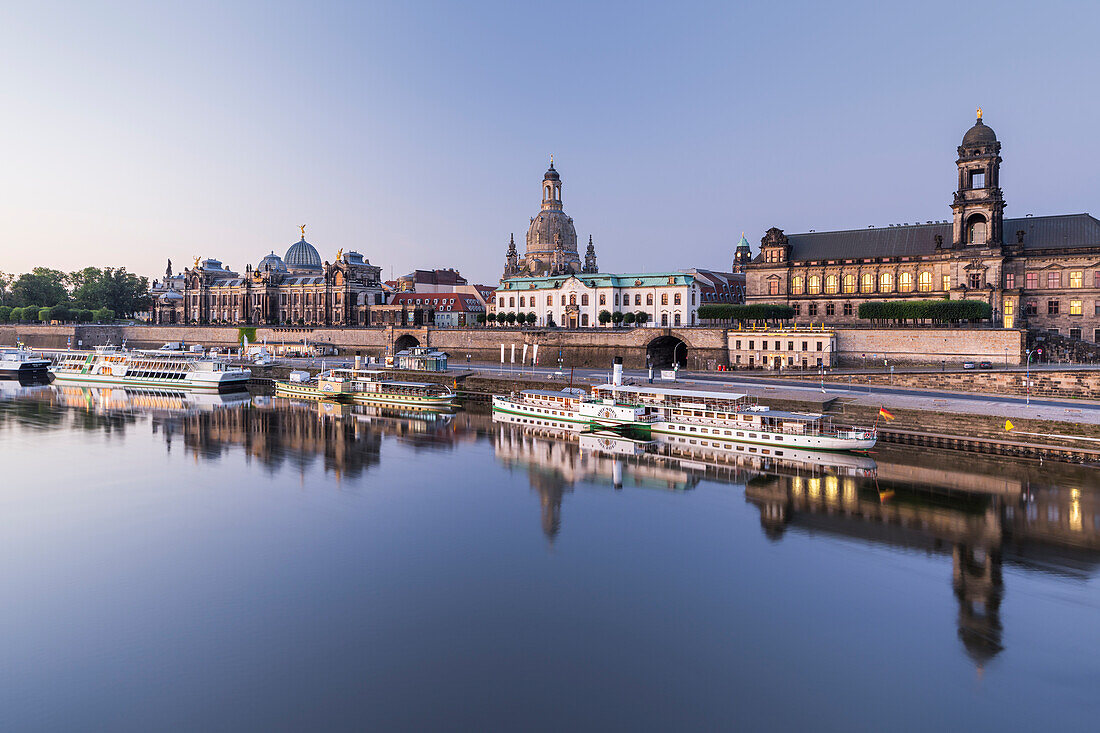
point(939, 311)
point(34, 314)
point(755, 312)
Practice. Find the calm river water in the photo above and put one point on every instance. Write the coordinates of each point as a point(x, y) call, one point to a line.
point(172, 562)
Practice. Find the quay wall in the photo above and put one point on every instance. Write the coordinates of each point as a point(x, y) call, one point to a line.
point(1081, 384)
point(706, 347)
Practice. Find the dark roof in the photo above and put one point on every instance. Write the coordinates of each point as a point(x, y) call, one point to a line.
point(979, 134)
point(1040, 232)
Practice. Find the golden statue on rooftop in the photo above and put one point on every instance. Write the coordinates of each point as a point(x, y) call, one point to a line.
point(979, 113)
point(303, 228)
point(340, 254)
point(197, 262)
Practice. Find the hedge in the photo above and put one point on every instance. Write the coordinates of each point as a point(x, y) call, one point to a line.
point(937, 311)
point(756, 312)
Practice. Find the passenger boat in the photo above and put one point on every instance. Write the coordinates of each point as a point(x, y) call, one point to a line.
point(366, 387)
point(19, 361)
point(694, 415)
point(110, 365)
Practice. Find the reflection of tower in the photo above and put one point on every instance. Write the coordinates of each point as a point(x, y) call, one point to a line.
point(551, 491)
point(979, 590)
point(771, 496)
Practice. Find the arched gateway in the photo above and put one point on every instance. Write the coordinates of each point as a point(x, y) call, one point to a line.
point(664, 351)
point(405, 341)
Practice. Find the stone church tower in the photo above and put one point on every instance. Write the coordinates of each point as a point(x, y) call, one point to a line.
point(979, 202)
point(551, 238)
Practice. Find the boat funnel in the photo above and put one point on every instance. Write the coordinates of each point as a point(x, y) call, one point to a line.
point(617, 372)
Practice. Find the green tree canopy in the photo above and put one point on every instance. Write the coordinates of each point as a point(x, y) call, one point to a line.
point(113, 288)
point(41, 286)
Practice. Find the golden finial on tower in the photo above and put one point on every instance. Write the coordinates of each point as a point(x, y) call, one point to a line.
point(197, 262)
point(303, 228)
point(340, 254)
point(551, 160)
point(979, 113)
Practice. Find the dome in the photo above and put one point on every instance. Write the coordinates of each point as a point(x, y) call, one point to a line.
point(979, 134)
point(170, 295)
point(272, 262)
point(551, 174)
point(545, 229)
point(302, 256)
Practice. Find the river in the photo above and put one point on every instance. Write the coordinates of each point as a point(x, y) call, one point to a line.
point(184, 562)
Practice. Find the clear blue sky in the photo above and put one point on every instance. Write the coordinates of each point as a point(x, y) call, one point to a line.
point(417, 133)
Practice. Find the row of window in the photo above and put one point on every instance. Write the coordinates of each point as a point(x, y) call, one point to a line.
point(812, 309)
point(1054, 307)
point(1054, 279)
point(524, 301)
point(779, 345)
point(831, 284)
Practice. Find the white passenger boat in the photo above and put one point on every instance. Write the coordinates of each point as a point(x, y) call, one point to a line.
point(366, 387)
point(705, 417)
point(110, 365)
point(17, 361)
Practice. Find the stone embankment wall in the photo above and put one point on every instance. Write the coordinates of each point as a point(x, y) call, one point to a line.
point(707, 348)
point(1082, 384)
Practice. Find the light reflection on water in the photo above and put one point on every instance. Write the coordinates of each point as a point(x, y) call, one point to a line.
point(173, 560)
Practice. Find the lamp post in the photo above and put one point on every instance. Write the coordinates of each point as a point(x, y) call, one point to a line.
point(1027, 378)
point(675, 363)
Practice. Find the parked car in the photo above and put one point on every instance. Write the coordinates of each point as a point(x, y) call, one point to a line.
point(985, 365)
point(968, 365)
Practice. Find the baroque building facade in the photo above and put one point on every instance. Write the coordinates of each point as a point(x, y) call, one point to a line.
point(298, 289)
point(1037, 272)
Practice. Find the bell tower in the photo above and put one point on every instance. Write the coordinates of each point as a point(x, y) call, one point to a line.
point(979, 202)
point(551, 188)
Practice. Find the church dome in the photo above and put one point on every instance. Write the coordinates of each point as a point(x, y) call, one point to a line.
point(551, 174)
point(547, 226)
point(272, 262)
point(302, 256)
point(979, 134)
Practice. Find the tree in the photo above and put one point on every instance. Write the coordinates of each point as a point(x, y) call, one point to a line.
point(5, 313)
point(605, 317)
point(491, 317)
point(641, 317)
point(617, 317)
point(121, 291)
point(481, 318)
point(629, 318)
point(103, 315)
point(511, 318)
point(44, 314)
point(532, 319)
point(40, 286)
point(6, 279)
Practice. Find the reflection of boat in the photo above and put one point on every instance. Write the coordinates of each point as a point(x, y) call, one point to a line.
point(109, 365)
point(144, 398)
point(20, 362)
point(366, 387)
point(697, 416)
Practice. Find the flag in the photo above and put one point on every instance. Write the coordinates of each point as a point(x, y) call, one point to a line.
point(1009, 425)
point(886, 413)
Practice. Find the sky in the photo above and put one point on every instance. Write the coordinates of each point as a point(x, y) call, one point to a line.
point(417, 133)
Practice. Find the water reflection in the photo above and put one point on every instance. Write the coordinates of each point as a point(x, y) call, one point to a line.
point(983, 513)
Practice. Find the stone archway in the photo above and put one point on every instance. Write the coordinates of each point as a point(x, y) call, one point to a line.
point(664, 351)
point(405, 341)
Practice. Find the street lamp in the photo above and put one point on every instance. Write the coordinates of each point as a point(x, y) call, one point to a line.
point(675, 363)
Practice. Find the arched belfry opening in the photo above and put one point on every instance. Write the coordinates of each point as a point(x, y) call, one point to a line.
point(665, 351)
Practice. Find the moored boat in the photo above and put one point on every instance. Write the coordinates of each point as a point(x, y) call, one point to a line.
point(19, 361)
point(366, 387)
point(110, 365)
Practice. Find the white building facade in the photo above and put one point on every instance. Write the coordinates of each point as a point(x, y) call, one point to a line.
point(575, 301)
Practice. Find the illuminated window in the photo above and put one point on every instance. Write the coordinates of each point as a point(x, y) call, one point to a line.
point(1009, 307)
point(831, 284)
point(676, 299)
point(664, 298)
point(905, 282)
point(924, 282)
point(886, 282)
point(946, 282)
point(797, 285)
point(849, 283)
point(773, 287)
point(867, 283)
point(1077, 279)
point(1010, 280)
point(1075, 308)
point(815, 284)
